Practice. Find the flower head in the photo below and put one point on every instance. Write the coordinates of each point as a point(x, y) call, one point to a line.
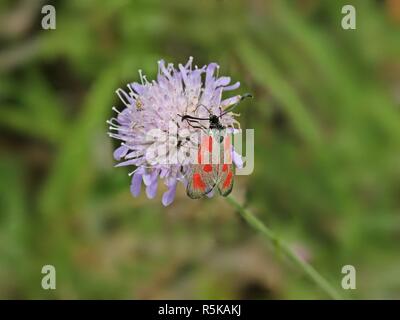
point(158, 106)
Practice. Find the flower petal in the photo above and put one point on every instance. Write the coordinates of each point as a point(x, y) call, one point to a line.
point(151, 190)
point(136, 183)
point(138, 88)
point(169, 196)
point(120, 152)
point(230, 101)
point(150, 177)
point(232, 87)
point(183, 74)
point(126, 163)
point(237, 159)
point(222, 81)
point(210, 73)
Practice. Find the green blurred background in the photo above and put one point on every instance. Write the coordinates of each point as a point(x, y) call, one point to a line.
point(327, 142)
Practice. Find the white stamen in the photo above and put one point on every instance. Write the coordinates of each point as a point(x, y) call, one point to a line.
point(116, 110)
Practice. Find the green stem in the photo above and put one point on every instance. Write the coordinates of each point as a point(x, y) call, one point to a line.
point(253, 221)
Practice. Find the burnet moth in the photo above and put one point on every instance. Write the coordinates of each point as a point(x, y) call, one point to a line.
point(214, 168)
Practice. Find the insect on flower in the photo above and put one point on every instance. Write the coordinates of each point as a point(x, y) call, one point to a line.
point(153, 106)
point(215, 145)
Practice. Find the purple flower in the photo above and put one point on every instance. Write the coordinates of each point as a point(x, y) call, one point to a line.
point(155, 105)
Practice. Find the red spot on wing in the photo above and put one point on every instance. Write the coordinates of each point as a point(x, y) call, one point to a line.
point(207, 168)
point(198, 182)
point(225, 167)
point(228, 180)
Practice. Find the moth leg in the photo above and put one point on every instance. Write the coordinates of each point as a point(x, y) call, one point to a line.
point(202, 105)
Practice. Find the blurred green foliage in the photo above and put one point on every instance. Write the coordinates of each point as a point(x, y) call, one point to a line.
point(327, 168)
